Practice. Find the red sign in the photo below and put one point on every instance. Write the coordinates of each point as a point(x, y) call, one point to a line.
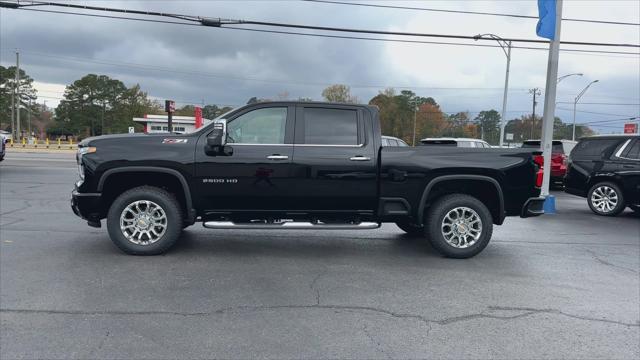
point(198, 115)
point(631, 128)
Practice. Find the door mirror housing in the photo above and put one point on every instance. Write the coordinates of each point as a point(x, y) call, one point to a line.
point(218, 137)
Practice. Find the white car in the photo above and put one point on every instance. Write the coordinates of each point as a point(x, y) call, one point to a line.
point(459, 142)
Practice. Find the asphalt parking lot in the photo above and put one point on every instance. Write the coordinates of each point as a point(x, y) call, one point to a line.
point(557, 286)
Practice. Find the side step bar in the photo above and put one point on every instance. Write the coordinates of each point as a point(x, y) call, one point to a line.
point(292, 225)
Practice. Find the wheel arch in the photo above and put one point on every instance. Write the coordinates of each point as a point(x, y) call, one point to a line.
point(604, 177)
point(497, 212)
point(140, 171)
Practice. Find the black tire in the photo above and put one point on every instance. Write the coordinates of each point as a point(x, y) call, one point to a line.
point(604, 187)
point(173, 224)
point(436, 214)
point(410, 228)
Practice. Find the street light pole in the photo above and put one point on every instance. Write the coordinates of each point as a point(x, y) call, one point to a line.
point(566, 76)
point(575, 104)
point(506, 48)
point(17, 86)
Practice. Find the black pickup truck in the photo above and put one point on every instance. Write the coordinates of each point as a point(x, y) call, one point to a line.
point(299, 165)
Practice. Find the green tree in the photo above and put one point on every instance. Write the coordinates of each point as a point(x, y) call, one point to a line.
point(7, 86)
point(398, 112)
point(458, 125)
point(489, 124)
point(339, 93)
point(97, 104)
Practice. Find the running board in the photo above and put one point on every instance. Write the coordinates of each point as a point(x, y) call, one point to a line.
point(292, 225)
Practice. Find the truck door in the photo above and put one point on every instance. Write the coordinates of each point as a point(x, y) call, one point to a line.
point(334, 161)
point(257, 174)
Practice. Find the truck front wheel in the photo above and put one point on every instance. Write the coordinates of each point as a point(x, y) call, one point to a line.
point(144, 221)
point(458, 226)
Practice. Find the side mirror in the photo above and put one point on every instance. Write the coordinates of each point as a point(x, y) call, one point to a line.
point(218, 136)
point(217, 139)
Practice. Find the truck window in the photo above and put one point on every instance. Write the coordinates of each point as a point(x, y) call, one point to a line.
point(330, 126)
point(260, 126)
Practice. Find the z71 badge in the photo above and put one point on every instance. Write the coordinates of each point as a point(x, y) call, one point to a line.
point(174, 141)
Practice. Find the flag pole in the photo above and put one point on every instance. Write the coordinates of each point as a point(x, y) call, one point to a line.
point(549, 109)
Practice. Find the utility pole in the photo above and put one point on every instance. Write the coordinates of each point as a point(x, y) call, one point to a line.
point(415, 118)
point(535, 92)
point(102, 125)
point(17, 86)
point(13, 112)
point(29, 117)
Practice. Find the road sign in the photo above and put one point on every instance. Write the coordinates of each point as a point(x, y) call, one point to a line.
point(198, 114)
point(131, 130)
point(169, 106)
point(631, 128)
point(509, 136)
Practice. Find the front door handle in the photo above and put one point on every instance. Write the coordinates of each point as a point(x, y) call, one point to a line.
point(359, 158)
point(277, 157)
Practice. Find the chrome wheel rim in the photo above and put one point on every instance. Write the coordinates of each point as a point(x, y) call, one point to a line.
point(604, 199)
point(143, 222)
point(461, 227)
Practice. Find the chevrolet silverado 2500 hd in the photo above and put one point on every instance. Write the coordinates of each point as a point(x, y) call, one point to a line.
point(299, 165)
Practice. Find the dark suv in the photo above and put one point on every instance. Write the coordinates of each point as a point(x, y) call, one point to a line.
point(606, 170)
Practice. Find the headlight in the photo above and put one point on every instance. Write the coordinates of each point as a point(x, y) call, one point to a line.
point(82, 151)
point(86, 150)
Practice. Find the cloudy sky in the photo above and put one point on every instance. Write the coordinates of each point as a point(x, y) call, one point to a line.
point(223, 66)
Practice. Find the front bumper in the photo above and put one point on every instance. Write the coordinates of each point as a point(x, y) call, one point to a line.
point(88, 206)
point(533, 207)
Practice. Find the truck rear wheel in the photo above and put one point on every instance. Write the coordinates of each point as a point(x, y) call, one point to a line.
point(458, 226)
point(145, 221)
point(410, 228)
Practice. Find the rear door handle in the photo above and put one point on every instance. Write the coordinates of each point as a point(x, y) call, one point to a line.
point(359, 158)
point(277, 157)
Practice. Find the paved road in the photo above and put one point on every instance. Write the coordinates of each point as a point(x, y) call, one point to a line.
point(558, 286)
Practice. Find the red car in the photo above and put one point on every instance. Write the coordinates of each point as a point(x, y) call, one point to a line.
point(560, 151)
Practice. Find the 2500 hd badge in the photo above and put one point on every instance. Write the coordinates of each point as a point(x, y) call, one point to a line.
point(300, 165)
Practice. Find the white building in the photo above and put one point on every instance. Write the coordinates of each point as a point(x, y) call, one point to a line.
point(158, 123)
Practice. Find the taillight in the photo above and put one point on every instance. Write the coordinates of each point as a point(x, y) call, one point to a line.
point(539, 160)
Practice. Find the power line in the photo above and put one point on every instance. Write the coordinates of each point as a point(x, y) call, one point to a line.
point(219, 22)
point(590, 52)
point(600, 103)
point(200, 73)
point(611, 120)
point(574, 51)
point(467, 12)
point(592, 112)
